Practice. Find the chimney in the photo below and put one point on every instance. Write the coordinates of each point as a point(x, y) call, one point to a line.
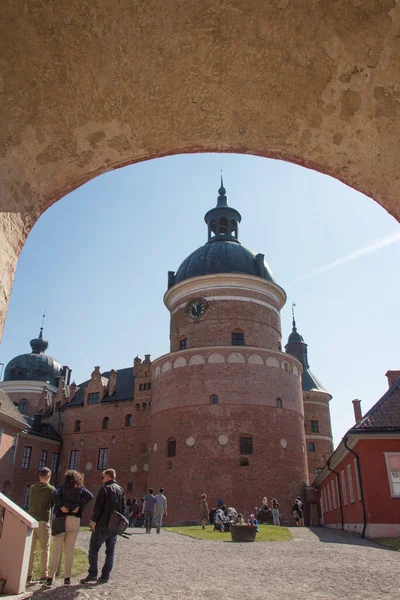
point(147, 358)
point(392, 376)
point(357, 410)
point(112, 382)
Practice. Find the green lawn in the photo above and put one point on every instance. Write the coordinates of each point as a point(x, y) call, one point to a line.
point(267, 533)
point(79, 566)
point(393, 543)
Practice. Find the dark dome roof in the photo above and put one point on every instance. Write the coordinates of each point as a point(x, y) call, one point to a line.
point(223, 256)
point(35, 366)
point(295, 337)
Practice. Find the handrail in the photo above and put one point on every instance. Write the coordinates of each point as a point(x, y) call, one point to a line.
point(18, 512)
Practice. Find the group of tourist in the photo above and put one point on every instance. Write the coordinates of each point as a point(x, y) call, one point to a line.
point(151, 507)
point(67, 501)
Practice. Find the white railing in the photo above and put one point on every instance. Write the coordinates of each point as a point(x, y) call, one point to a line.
point(15, 545)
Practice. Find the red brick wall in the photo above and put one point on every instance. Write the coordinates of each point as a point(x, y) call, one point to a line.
point(316, 408)
point(6, 469)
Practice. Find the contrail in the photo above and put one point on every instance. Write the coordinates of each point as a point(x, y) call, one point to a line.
point(386, 241)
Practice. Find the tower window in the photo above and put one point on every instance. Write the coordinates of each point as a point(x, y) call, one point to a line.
point(77, 426)
point(278, 403)
point(234, 228)
point(129, 487)
point(23, 406)
point(171, 448)
point(183, 344)
point(311, 447)
point(246, 444)
point(105, 422)
point(237, 338)
point(128, 420)
point(102, 459)
point(94, 398)
point(244, 462)
point(74, 460)
point(223, 226)
point(214, 399)
point(314, 427)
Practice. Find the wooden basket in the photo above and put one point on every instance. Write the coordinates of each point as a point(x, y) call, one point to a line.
point(243, 533)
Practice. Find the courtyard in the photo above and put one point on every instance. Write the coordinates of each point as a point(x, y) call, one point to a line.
point(316, 564)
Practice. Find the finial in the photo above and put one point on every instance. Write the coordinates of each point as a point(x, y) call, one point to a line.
point(41, 329)
point(222, 179)
point(294, 320)
point(222, 199)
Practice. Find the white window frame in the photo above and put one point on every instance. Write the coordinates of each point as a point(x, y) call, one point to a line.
point(357, 479)
point(329, 497)
point(333, 493)
point(326, 500)
point(343, 482)
point(350, 480)
point(389, 473)
point(337, 490)
point(13, 449)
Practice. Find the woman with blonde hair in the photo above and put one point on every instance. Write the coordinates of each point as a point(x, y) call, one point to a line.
point(69, 500)
point(203, 511)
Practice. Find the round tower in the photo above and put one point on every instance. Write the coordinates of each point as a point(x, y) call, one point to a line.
point(317, 417)
point(227, 410)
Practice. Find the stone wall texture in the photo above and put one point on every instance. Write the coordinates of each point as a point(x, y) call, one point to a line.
point(93, 85)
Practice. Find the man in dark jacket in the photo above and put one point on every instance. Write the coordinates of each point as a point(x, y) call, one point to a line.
point(40, 505)
point(110, 498)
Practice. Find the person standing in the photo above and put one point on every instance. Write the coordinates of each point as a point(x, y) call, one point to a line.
point(203, 511)
point(70, 498)
point(40, 505)
point(110, 498)
point(297, 513)
point(148, 510)
point(134, 513)
point(161, 509)
point(275, 512)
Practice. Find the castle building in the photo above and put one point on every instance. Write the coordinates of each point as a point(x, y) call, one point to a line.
point(226, 412)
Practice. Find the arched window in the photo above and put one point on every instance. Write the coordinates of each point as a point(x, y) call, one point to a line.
point(77, 426)
point(171, 447)
point(223, 226)
point(234, 228)
point(183, 343)
point(213, 228)
point(128, 420)
point(104, 424)
point(214, 399)
point(23, 406)
point(278, 403)
point(246, 444)
point(311, 447)
point(237, 337)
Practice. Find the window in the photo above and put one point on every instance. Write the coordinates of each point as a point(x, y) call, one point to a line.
point(326, 500)
point(94, 398)
point(26, 457)
point(314, 427)
point(129, 487)
point(333, 493)
point(278, 403)
point(244, 462)
point(357, 479)
point(318, 470)
point(171, 448)
point(43, 459)
point(102, 459)
point(343, 482)
point(183, 344)
point(350, 480)
point(25, 503)
point(393, 469)
point(246, 444)
point(140, 387)
point(237, 339)
point(23, 406)
point(337, 490)
point(128, 420)
point(329, 497)
point(214, 399)
point(74, 460)
point(104, 423)
point(77, 426)
point(54, 462)
point(13, 449)
point(143, 447)
point(311, 447)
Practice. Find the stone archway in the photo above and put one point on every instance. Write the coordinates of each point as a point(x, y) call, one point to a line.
point(93, 85)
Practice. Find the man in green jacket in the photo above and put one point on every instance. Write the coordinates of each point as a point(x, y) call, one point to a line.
point(40, 505)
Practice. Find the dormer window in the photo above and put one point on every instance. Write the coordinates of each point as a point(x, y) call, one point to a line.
point(23, 406)
point(94, 398)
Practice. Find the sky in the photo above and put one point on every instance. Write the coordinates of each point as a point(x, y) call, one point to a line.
point(98, 259)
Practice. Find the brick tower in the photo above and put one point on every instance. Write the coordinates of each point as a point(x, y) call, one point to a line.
point(317, 417)
point(227, 408)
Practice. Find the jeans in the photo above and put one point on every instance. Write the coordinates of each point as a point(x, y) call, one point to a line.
point(148, 520)
point(158, 520)
point(275, 516)
point(102, 535)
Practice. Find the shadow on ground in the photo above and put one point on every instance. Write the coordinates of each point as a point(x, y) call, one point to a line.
point(334, 536)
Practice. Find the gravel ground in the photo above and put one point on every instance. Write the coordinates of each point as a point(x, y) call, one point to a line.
point(318, 564)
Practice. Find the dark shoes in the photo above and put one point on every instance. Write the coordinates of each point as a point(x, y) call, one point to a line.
point(102, 580)
point(67, 581)
point(89, 579)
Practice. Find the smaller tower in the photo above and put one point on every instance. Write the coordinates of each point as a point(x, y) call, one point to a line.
point(317, 416)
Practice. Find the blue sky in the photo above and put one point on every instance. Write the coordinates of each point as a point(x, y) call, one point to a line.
point(98, 260)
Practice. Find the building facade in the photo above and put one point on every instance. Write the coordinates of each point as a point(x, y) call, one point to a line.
point(226, 412)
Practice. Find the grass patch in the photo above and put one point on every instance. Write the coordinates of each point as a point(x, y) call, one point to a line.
point(85, 528)
point(79, 566)
point(267, 533)
point(392, 543)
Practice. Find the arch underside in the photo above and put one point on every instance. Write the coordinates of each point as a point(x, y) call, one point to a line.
point(90, 86)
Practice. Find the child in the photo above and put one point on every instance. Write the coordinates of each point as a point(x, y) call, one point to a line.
point(253, 521)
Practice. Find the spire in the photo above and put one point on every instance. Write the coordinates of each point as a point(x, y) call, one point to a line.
point(294, 320)
point(296, 345)
point(39, 345)
point(222, 221)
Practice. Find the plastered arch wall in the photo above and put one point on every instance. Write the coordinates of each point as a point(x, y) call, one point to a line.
point(90, 87)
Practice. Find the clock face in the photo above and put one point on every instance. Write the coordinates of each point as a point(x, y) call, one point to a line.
point(196, 309)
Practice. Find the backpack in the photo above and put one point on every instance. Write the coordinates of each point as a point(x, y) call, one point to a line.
point(118, 524)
